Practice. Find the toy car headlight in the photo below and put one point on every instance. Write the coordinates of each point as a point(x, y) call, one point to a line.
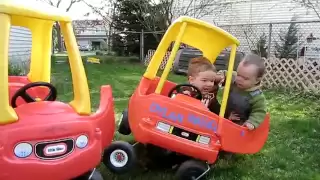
point(82, 141)
point(23, 150)
point(203, 140)
point(163, 127)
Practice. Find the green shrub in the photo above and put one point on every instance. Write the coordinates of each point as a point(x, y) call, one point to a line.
point(99, 53)
point(104, 58)
point(57, 58)
point(111, 53)
point(134, 59)
point(18, 66)
point(15, 70)
point(63, 86)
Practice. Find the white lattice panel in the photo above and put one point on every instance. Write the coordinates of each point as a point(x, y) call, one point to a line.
point(280, 73)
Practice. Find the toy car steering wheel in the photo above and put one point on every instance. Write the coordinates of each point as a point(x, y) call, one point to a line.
point(22, 92)
point(179, 89)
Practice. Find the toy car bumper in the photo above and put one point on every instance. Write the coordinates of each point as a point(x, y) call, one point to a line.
point(208, 153)
point(77, 163)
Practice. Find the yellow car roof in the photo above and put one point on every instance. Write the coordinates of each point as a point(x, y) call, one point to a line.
point(33, 9)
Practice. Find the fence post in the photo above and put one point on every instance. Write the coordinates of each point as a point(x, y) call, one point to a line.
point(142, 46)
point(270, 39)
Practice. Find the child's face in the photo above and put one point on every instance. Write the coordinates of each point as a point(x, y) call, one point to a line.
point(204, 81)
point(247, 76)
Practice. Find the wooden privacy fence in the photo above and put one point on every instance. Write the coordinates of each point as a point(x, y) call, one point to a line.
point(289, 74)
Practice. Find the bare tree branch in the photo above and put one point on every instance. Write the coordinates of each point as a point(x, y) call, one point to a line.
point(153, 16)
point(58, 3)
point(71, 3)
point(188, 6)
point(106, 18)
point(106, 10)
point(144, 15)
point(310, 4)
point(48, 2)
point(160, 14)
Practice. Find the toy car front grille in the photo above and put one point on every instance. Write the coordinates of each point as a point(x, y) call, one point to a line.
point(54, 149)
point(167, 128)
point(184, 134)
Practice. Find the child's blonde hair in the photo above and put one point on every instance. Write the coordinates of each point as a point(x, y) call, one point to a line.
point(200, 64)
point(257, 61)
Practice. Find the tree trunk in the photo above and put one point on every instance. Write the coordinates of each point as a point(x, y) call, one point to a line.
point(53, 39)
point(109, 38)
point(59, 37)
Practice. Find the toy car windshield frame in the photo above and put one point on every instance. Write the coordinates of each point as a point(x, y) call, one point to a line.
point(39, 19)
point(211, 40)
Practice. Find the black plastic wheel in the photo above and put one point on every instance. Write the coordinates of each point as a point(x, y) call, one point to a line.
point(191, 170)
point(119, 157)
point(124, 127)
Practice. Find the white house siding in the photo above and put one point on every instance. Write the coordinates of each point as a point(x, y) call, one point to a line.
point(229, 14)
point(20, 44)
point(90, 31)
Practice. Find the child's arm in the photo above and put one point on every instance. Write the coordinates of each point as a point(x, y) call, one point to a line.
point(222, 75)
point(258, 112)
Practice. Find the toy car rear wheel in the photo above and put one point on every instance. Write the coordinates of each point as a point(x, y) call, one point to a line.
point(191, 170)
point(119, 157)
point(124, 127)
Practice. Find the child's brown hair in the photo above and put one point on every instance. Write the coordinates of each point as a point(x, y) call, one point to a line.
point(200, 64)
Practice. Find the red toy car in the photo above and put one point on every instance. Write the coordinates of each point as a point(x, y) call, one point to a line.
point(41, 138)
point(183, 124)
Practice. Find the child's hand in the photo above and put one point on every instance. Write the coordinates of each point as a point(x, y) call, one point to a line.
point(186, 92)
point(221, 76)
point(234, 117)
point(207, 98)
point(249, 126)
point(205, 102)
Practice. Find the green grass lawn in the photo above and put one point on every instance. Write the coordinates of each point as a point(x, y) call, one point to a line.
point(291, 152)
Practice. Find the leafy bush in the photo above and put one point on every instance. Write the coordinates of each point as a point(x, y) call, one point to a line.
point(261, 46)
point(15, 70)
point(99, 53)
point(103, 58)
point(289, 41)
point(63, 85)
point(18, 65)
point(57, 58)
point(102, 53)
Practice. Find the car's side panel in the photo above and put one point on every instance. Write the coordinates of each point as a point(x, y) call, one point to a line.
point(52, 122)
point(105, 116)
point(153, 84)
point(189, 114)
point(238, 139)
